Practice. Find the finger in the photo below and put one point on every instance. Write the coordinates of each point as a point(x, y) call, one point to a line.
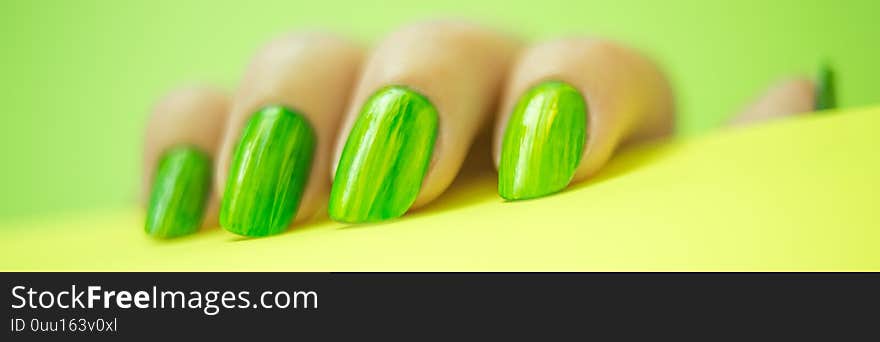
point(276, 149)
point(181, 142)
point(786, 98)
point(567, 106)
point(424, 94)
point(791, 97)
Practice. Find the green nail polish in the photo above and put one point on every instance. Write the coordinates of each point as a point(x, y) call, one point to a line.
point(543, 142)
point(180, 191)
point(825, 97)
point(269, 170)
point(385, 157)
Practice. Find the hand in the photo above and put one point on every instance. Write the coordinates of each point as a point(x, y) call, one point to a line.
point(318, 121)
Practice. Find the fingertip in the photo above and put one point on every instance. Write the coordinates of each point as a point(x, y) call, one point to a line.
point(292, 96)
point(459, 68)
point(192, 114)
point(179, 152)
point(626, 99)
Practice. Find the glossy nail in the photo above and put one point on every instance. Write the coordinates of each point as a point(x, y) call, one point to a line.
point(543, 142)
point(269, 170)
point(385, 157)
point(825, 95)
point(180, 192)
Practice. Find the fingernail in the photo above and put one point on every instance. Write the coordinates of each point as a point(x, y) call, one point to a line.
point(825, 97)
point(385, 157)
point(543, 142)
point(269, 170)
point(180, 192)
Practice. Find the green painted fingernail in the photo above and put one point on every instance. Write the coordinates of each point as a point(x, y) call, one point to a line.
point(180, 191)
point(269, 170)
point(825, 97)
point(543, 142)
point(385, 157)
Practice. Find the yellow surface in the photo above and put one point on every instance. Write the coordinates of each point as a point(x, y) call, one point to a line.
point(797, 194)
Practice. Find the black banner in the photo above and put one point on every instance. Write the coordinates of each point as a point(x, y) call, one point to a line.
point(419, 305)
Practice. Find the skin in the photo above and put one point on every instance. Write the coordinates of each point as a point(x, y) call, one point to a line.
point(461, 73)
point(627, 96)
point(786, 98)
point(311, 73)
point(471, 74)
point(192, 115)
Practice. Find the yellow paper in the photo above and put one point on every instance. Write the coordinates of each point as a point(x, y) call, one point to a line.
point(792, 195)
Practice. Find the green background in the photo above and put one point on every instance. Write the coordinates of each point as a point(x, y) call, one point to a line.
point(79, 77)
